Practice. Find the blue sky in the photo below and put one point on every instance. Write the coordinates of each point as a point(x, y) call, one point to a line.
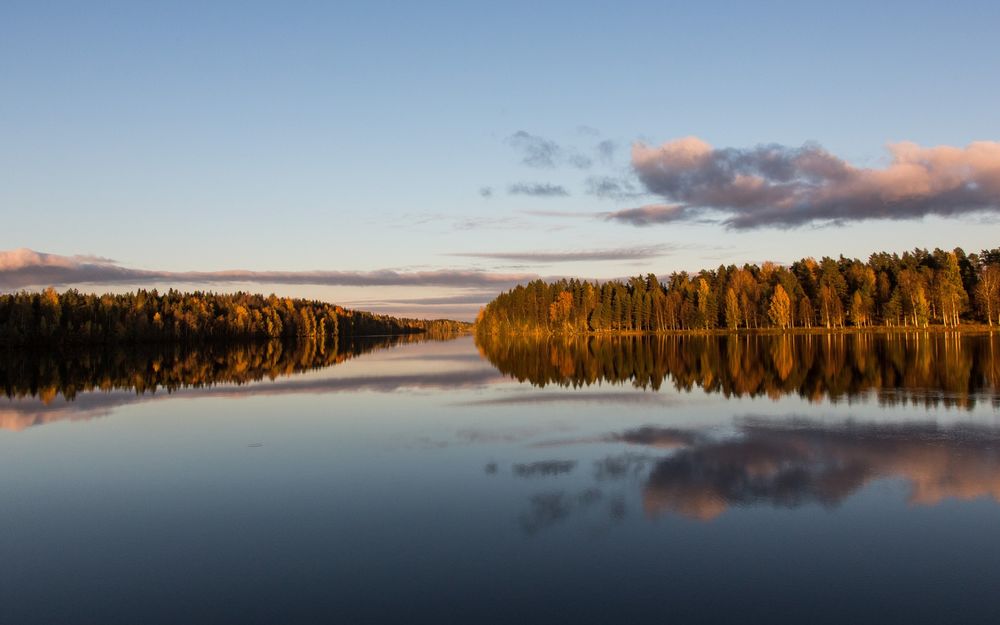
point(359, 137)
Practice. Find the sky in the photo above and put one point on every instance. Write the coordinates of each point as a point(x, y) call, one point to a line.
point(417, 158)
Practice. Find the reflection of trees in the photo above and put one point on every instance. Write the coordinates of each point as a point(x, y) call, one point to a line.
point(146, 369)
point(926, 367)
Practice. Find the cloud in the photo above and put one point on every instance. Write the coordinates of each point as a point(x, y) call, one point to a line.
point(578, 160)
point(538, 189)
point(477, 297)
point(624, 253)
point(535, 151)
point(23, 268)
point(544, 153)
point(505, 222)
point(606, 150)
point(486, 192)
point(611, 187)
point(561, 214)
point(462, 307)
point(776, 185)
point(649, 214)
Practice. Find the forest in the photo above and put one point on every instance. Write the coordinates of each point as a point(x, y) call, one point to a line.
point(915, 289)
point(71, 317)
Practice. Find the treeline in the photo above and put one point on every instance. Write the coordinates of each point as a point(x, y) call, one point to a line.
point(915, 289)
point(49, 317)
point(924, 368)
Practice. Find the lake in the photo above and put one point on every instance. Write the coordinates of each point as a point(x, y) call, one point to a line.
point(821, 479)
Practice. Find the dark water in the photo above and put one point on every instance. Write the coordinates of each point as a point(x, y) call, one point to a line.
point(821, 479)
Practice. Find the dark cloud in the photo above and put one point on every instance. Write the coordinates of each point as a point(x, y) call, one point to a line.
point(458, 312)
point(478, 297)
point(579, 160)
point(535, 151)
point(23, 268)
point(540, 152)
point(573, 214)
point(486, 191)
point(606, 150)
point(543, 189)
point(776, 185)
point(471, 298)
point(612, 187)
point(632, 253)
point(461, 307)
point(649, 214)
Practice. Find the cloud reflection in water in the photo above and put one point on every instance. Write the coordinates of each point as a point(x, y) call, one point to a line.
point(700, 474)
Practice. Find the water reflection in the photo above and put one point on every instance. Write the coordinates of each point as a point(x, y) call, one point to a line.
point(925, 368)
point(388, 470)
point(46, 386)
point(700, 474)
point(47, 374)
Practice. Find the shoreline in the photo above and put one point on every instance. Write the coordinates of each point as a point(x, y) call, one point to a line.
point(936, 329)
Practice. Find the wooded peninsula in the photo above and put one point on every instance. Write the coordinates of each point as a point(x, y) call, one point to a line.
point(71, 317)
point(916, 289)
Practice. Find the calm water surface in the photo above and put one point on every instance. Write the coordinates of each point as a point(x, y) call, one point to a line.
point(843, 479)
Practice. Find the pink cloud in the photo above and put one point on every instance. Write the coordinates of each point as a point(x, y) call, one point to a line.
point(783, 186)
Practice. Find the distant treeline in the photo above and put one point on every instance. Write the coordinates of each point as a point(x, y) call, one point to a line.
point(49, 317)
point(915, 289)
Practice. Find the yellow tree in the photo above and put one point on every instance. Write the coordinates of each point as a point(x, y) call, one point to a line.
point(780, 310)
point(950, 294)
point(732, 309)
point(859, 310)
point(559, 310)
point(806, 313)
point(830, 310)
point(988, 292)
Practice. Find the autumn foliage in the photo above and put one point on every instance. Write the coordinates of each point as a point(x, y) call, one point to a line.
point(49, 317)
point(915, 289)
